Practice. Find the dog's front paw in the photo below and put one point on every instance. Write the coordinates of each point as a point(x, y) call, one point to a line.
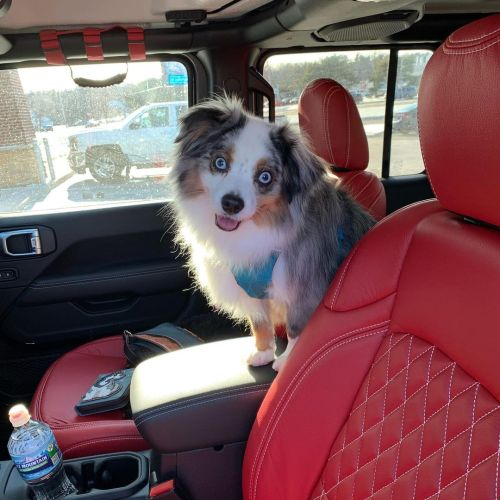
point(260, 358)
point(279, 362)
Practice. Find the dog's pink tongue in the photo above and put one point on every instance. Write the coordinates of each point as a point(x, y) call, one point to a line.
point(226, 223)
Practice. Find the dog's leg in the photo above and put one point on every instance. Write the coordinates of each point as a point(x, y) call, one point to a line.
point(263, 333)
point(280, 361)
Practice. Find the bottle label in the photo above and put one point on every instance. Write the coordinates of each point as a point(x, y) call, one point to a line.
point(37, 465)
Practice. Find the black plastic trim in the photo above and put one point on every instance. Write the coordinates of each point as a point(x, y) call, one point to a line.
point(403, 190)
point(392, 75)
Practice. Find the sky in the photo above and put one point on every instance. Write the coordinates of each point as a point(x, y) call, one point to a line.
point(59, 77)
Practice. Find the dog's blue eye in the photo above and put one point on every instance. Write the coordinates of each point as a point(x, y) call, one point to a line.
point(265, 177)
point(220, 163)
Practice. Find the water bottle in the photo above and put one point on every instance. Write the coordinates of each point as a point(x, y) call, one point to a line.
point(33, 449)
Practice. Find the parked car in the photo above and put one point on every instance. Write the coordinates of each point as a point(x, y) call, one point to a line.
point(142, 138)
point(357, 95)
point(405, 119)
point(46, 124)
point(406, 92)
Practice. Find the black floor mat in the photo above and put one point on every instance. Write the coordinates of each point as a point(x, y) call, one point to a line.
point(213, 326)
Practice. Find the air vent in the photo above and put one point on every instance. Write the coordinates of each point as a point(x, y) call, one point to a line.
point(368, 28)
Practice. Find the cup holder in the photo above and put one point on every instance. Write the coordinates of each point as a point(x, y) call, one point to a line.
point(107, 476)
point(116, 473)
point(115, 476)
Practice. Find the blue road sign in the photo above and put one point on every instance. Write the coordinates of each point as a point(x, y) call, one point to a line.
point(177, 79)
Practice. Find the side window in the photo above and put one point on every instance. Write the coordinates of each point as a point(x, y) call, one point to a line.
point(406, 157)
point(159, 117)
point(364, 73)
point(142, 121)
point(63, 146)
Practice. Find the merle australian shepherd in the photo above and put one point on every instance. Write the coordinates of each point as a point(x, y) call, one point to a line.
point(260, 217)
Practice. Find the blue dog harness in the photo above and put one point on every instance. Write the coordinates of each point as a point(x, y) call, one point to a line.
point(255, 280)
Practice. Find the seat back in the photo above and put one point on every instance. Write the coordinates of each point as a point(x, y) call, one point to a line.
point(393, 388)
point(329, 118)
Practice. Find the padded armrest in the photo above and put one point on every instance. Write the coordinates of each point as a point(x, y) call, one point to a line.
point(198, 397)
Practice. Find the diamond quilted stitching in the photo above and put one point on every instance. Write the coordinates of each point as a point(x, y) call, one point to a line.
point(420, 428)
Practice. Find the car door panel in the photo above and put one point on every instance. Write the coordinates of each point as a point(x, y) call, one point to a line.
point(108, 269)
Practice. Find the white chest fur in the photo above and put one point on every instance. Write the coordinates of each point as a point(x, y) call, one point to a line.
point(218, 282)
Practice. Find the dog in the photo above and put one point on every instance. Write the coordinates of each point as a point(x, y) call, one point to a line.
point(261, 220)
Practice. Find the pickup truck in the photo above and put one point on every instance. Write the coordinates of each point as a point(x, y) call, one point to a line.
point(143, 139)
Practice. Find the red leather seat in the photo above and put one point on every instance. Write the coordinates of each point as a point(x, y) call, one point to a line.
point(393, 389)
point(329, 118)
point(61, 388)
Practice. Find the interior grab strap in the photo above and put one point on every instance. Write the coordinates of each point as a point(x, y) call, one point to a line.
point(51, 44)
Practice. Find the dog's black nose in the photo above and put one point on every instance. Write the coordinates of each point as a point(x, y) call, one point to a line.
point(232, 204)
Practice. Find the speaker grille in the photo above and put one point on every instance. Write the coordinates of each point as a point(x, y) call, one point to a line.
point(368, 28)
point(370, 31)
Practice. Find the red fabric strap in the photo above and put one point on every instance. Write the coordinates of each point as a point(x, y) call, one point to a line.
point(93, 44)
point(136, 47)
point(51, 44)
point(51, 47)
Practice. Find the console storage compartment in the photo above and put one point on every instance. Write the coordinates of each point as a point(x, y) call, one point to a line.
point(196, 407)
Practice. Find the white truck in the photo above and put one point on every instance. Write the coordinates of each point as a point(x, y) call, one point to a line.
point(143, 139)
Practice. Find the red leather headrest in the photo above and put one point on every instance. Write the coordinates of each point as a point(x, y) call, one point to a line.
point(459, 121)
point(330, 119)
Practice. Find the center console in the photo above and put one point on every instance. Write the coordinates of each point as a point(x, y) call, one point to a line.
point(195, 407)
point(199, 423)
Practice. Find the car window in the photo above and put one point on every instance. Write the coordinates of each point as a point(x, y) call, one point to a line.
point(406, 157)
point(364, 73)
point(179, 110)
point(67, 147)
point(152, 118)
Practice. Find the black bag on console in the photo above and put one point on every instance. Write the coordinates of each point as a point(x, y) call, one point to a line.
point(158, 340)
point(110, 391)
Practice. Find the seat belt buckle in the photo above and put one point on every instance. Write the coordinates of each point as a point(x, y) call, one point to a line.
point(165, 491)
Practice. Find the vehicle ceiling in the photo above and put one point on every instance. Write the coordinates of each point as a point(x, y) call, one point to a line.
point(263, 23)
point(34, 14)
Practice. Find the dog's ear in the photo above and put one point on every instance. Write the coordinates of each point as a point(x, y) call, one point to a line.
point(198, 120)
point(203, 120)
point(300, 168)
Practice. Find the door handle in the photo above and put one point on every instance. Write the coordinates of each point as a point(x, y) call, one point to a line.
point(32, 241)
